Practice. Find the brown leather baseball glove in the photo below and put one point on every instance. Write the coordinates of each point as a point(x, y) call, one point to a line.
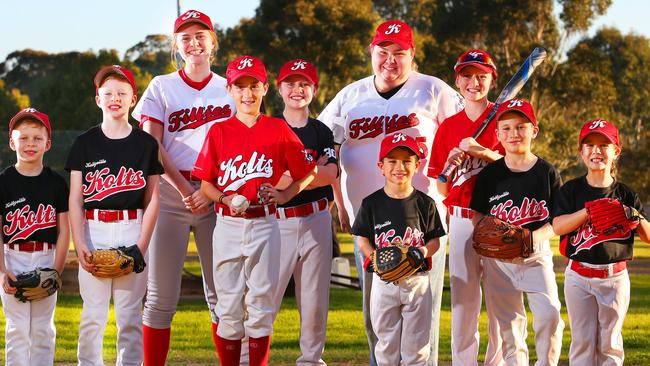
point(499, 239)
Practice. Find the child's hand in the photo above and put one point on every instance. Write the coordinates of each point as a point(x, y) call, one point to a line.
point(273, 195)
point(82, 253)
point(322, 160)
point(344, 219)
point(200, 202)
point(456, 156)
point(468, 143)
point(6, 276)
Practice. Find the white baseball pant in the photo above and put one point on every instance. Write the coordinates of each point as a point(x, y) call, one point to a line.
point(29, 332)
point(504, 284)
point(167, 253)
point(246, 266)
point(127, 292)
point(401, 319)
point(465, 271)
point(597, 308)
point(306, 252)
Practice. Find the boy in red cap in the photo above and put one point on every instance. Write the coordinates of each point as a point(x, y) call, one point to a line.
point(114, 175)
point(520, 189)
point(36, 234)
point(398, 213)
point(241, 160)
point(597, 284)
point(475, 74)
point(305, 222)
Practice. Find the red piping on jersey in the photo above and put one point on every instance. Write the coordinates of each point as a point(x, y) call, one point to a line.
point(198, 85)
point(144, 118)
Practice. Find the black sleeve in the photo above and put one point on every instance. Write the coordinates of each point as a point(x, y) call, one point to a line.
point(637, 204)
point(75, 157)
point(363, 222)
point(479, 202)
point(434, 228)
point(155, 161)
point(326, 143)
point(62, 194)
point(555, 181)
point(564, 202)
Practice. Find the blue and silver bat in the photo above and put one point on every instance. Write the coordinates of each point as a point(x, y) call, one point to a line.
point(511, 90)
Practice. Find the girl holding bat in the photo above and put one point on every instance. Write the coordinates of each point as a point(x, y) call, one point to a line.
point(475, 75)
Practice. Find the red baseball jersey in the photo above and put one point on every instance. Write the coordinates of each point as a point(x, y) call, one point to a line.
point(239, 159)
point(451, 132)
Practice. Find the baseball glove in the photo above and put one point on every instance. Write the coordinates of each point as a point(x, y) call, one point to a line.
point(607, 215)
point(37, 284)
point(397, 261)
point(498, 239)
point(116, 262)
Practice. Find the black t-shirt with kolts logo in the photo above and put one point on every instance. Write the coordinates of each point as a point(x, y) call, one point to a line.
point(29, 205)
point(114, 171)
point(318, 141)
point(520, 198)
point(581, 244)
point(413, 220)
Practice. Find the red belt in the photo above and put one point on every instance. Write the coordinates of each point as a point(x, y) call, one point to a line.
point(111, 215)
point(301, 210)
point(187, 174)
point(31, 246)
point(608, 271)
point(252, 212)
point(461, 212)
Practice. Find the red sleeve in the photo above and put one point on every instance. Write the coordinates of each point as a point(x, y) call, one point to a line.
point(206, 167)
point(299, 163)
point(144, 118)
point(439, 151)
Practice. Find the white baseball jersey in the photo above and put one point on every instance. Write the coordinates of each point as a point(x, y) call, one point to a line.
point(359, 118)
point(186, 110)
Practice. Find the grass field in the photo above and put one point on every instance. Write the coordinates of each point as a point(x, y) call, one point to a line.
point(346, 343)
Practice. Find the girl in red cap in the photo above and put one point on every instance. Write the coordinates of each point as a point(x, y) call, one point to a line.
point(475, 74)
point(596, 285)
point(241, 160)
point(305, 222)
point(178, 110)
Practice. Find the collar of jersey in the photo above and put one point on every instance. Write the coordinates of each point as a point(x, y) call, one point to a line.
point(198, 85)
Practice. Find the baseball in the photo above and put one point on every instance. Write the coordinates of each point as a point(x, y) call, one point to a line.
point(239, 203)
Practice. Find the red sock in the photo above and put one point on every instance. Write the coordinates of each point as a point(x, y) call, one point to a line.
point(258, 350)
point(214, 334)
point(156, 345)
point(228, 351)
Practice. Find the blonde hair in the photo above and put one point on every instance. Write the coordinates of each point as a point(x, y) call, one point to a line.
point(215, 41)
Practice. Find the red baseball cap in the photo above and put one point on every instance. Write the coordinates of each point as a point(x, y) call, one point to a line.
point(519, 106)
point(400, 139)
point(394, 31)
point(602, 127)
point(245, 66)
point(31, 113)
point(477, 58)
point(298, 67)
point(118, 70)
point(193, 16)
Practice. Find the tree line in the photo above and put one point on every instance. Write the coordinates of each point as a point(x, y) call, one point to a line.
point(586, 77)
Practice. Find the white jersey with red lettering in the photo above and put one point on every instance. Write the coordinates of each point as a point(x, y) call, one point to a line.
point(360, 118)
point(187, 110)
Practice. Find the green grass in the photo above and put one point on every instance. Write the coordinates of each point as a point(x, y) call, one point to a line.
point(346, 342)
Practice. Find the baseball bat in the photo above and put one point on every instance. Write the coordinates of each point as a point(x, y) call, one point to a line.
point(517, 81)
